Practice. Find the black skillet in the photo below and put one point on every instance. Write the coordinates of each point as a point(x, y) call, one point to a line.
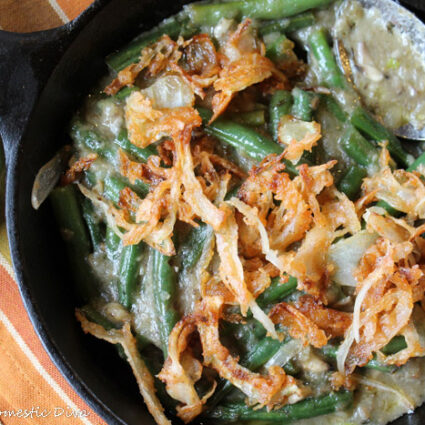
point(43, 78)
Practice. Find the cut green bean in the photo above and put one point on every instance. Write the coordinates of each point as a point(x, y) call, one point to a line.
point(277, 291)
point(352, 181)
point(305, 103)
point(308, 408)
point(280, 49)
point(131, 53)
point(420, 160)
point(112, 242)
point(129, 273)
point(165, 285)
point(141, 154)
point(330, 73)
point(334, 107)
point(261, 353)
point(113, 185)
point(358, 148)
point(93, 141)
point(253, 118)
point(255, 145)
point(397, 344)
point(93, 224)
point(364, 122)
point(289, 25)
point(192, 248)
point(280, 105)
point(68, 215)
point(211, 13)
point(125, 92)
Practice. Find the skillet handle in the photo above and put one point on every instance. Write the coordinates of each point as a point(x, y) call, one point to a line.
point(26, 62)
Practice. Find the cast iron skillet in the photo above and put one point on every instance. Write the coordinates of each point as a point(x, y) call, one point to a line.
point(43, 78)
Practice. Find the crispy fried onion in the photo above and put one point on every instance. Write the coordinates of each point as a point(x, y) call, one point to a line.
point(243, 64)
point(383, 305)
point(271, 390)
point(147, 125)
point(154, 58)
point(298, 136)
point(75, 170)
point(310, 211)
point(178, 194)
point(334, 322)
point(145, 380)
point(298, 325)
point(403, 190)
point(232, 273)
point(182, 370)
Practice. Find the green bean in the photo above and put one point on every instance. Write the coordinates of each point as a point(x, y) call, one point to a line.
point(364, 122)
point(141, 154)
point(351, 183)
point(289, 25)
point(358, 148)
point(279, 49)
point(255, 145)
point(330, 73)
point(93, 224)
point(277, 291)
point(211, 13)
point(66, 208)
point(305, 102)
point(165, 283)
point(193, 246)
point(308, 408)
point(125, 92)
point(280, 105)
point(253, 118)
point(82, 135)
point(397, 344)
point(334, 107)
point(131, 53)
point(112, 242)
point(129, 273)
point(262, 353)
point(330, 352)
point(113, 185)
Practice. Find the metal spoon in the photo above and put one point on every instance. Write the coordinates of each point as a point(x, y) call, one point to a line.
point(407, 23)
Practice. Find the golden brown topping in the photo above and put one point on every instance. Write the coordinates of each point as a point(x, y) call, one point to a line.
point(299, 326)
point(77, 168)
point(145, 380)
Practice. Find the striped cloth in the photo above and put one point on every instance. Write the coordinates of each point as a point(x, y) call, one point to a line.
point(32, 390)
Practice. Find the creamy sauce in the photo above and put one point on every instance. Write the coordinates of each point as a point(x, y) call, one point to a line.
point(387, 71)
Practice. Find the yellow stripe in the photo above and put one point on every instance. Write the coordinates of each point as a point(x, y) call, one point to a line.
point(37, 365)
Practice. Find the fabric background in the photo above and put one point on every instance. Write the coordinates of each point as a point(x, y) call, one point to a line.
point(28, 378)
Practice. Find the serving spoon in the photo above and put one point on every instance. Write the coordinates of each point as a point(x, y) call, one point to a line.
point(408, 24)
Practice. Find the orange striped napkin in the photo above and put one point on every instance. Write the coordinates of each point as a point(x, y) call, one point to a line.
point(32, 390)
